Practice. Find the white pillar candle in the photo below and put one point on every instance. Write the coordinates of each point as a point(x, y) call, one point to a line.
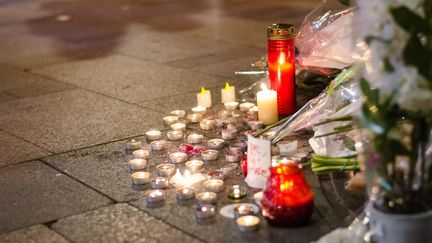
point(204, 98)
point(228, 93)
point(267, 106)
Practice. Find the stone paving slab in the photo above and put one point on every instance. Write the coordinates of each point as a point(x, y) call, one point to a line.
point(227, 69)
point(14, 150)
point(33, 193)
point(73, 119)
point(6, 97)
point(34, 234)
point(130, 79)
point(118, 223)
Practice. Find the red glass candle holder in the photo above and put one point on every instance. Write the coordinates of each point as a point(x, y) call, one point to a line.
point(281, 66)
point(288, 199)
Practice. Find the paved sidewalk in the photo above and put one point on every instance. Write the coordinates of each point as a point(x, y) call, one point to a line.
point(79, 77)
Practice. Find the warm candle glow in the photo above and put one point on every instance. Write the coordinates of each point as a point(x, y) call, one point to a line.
point(227, 86)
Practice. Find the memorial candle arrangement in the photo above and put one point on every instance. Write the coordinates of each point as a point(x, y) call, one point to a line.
point(281, 66)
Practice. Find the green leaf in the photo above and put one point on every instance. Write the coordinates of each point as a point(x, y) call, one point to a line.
point(365, 88)
point(417, 55)
point(345, 2)
point(409, 20)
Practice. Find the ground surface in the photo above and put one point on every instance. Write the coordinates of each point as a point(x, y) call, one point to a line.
point(79, 77)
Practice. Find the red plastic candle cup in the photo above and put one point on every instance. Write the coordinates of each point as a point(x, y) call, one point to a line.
point(281, 66)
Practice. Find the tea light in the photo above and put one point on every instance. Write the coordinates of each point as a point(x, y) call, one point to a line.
point(255, 125)
point(228, 93)
point(209, 155)
point(204, 98)
point(246, 106)
point(216, 143)
point(207, 124)
point(219, 122)
point(232, 156)
point(165, 170)
point(153, 135)
point(158, 145)
point(175, 135)
point(243, 210)
point(199, 110)
point(186, 193)
point(155, 196)
point(169, 120)
point(237, 192)
point(141, 154)
point(178, 157)
point(247, 223)
point(216, 174)
point(140, 178)
point(238, 147)
point(231, 106)
point(195, 138)
point(214, 185)
point(229, 134)
point(254, 110)
point(229, 168)
point(178, 126)
point(133, 144)
point(205, 211)
point(194, 118)
point(206, 198)
point(195, 165)
point(179, 113)
point(159, 182)
point(137, 164)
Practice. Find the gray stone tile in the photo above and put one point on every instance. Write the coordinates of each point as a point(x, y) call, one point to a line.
point(118, 223)
point(128, 78)
point(13, 150)
point(227, 69)
point(73, 119)
point(5, 96)
point(34, 234)
point(34, 193)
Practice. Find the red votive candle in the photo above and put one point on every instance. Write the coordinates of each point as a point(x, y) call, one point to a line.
point(288, 199)
point(281, 66)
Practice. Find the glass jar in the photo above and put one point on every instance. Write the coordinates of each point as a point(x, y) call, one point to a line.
point(288, 199)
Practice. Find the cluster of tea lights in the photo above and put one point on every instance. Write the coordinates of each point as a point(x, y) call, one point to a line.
point(213, 185)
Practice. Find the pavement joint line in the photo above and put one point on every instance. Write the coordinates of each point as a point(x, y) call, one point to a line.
point(168, 223)
point(79, 181)
point(3, 130)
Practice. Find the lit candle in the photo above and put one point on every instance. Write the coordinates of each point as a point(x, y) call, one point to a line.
point(231, 106)
point(232, 157)
point(204, 98)
point(174, 135)
point(159, 182)
point(228, 93)
point(179, 113)
point(199, 110)
point(209, 154)
point(165, 170)
point(137, 164)
point(206, 198)
point(236, 192)
point(141, 154)
point(133, 144)
point(247, 223)
point(243, 210)
point(207, 124)
point(140, 178)
point(158, 145)
point(178, 157)
point(155, 196)
point(169, 120)
point(229, 134)
point(205, 211)
point(178, 126)
point(153, 135)
point(254, 110)
point(195, 165)
point(195, 138)
point(214, 185)
point(216, 143)
point(246, 106)
point(238, 147)
point(186, 193)
point(267, 106)
point(194, 118)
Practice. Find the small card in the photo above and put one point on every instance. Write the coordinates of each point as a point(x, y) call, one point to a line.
point(259, 159)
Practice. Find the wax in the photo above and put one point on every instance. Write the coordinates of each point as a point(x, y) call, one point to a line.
point(228, 94)
point(204, 98)
point(267, 106)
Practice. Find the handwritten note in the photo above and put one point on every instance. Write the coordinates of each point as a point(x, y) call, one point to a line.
point(259, 158)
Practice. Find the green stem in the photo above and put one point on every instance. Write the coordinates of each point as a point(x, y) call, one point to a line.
point(267, 128)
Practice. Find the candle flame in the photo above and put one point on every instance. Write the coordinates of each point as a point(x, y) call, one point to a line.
point(264, 86)
point(282, 58)
point(227, 86)
point(203, 90)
